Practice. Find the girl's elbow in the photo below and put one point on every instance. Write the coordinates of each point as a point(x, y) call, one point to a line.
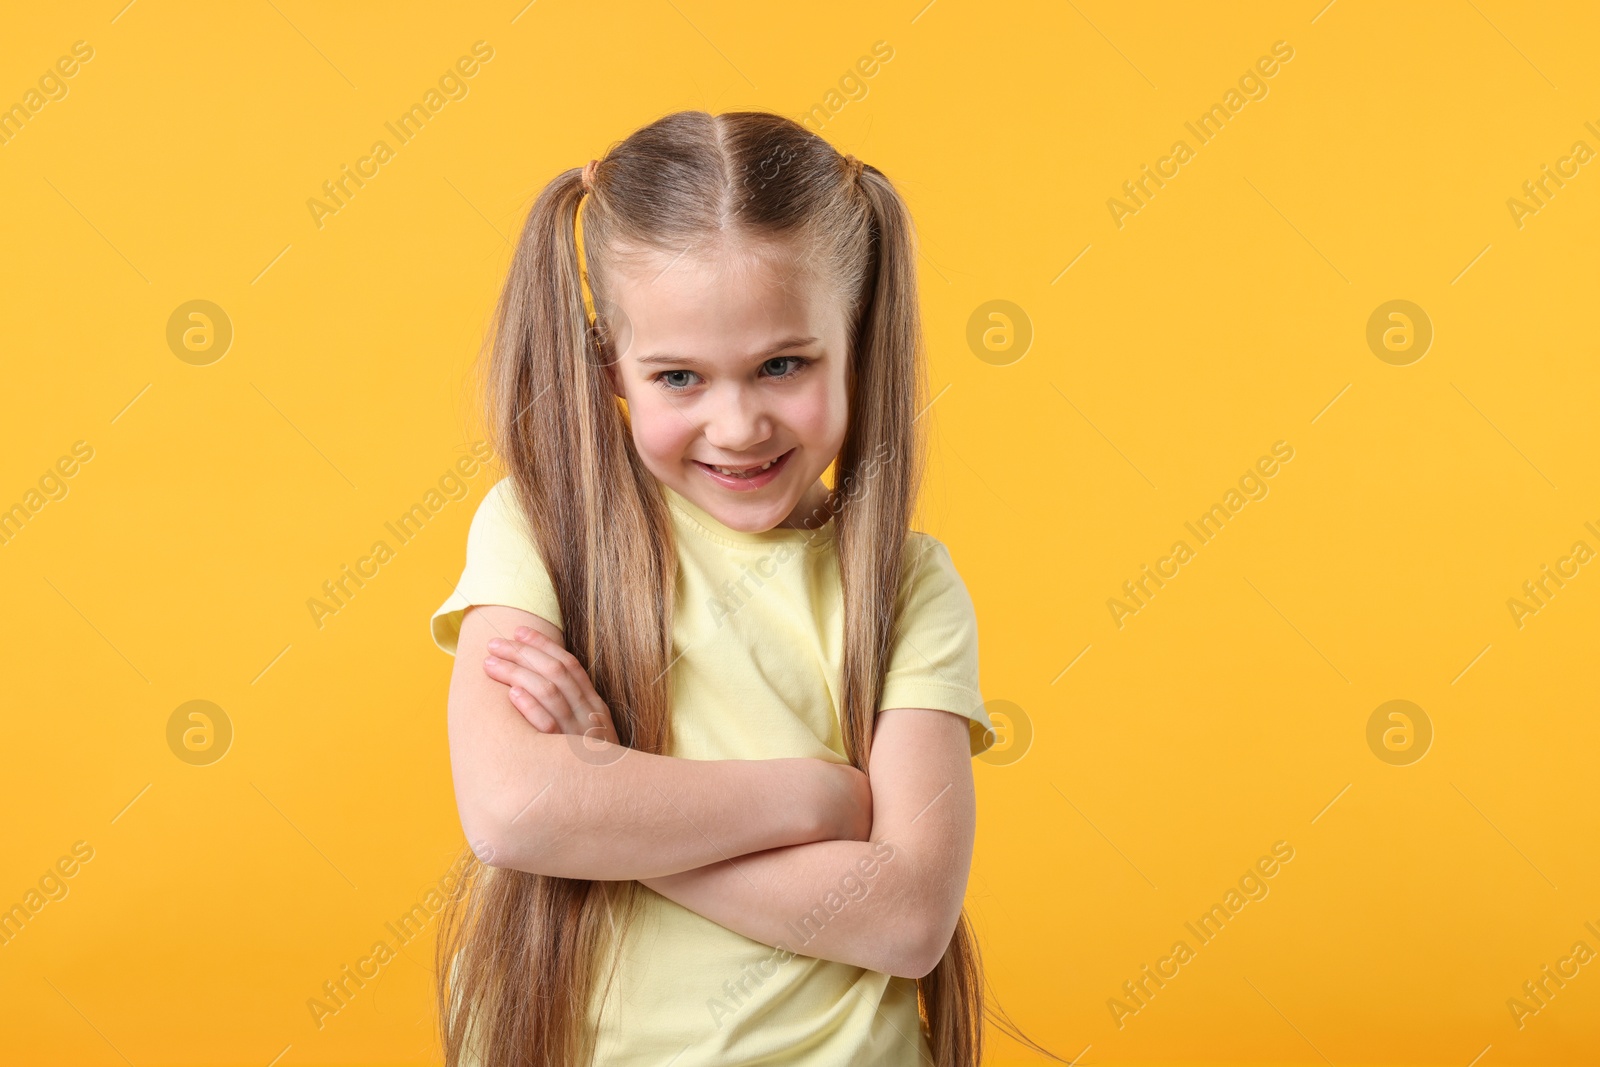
point(912, 963)
point(501, 839)
point(912, 969)
point(497, 836)
point(930, 946)
point(483, 834)
point(916, 951)
point(924, 958)
point(922, 932)
point(896, 948)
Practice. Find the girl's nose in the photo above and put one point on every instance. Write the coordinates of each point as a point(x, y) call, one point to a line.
point(738, 427)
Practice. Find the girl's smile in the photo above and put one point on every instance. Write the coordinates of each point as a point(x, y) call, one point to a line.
point(750, 478)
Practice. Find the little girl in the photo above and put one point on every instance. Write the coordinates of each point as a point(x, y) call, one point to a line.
point(711, 720)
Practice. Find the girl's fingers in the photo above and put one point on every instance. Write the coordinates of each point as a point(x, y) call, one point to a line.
point(553, 679)
point(596, 720)
point(509, 672)
point(541, 658)
point(534, 712)
point(546, 658)
point(535, 686)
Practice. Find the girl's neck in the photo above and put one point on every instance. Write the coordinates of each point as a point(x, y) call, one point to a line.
point(812, 512)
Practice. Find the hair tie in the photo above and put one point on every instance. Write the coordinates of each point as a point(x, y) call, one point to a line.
point(588, 175)
point(855, 165)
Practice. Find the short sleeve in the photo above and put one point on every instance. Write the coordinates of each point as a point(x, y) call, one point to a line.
point(503, 567)
point(933, 658)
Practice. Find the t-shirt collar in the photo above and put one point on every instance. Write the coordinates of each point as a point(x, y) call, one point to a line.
point(686, 511)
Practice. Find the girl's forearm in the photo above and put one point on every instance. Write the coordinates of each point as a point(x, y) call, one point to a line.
point(594, 810)
point(890, 904)
point(852, 902)
point(566, 805)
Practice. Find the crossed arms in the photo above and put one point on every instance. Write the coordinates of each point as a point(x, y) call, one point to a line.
point(865, 870)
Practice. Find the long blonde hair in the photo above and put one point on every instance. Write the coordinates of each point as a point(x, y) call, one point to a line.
point(517, 957)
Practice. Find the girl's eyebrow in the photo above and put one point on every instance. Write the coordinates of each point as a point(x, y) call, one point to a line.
point(760, 357)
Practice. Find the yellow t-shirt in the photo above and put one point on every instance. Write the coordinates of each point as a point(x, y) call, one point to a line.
point(757, 641)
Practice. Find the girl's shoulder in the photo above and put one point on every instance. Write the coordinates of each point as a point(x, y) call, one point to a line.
point(928, 572)
point(498, 518)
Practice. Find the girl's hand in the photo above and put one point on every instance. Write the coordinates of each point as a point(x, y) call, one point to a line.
point(548, 686)
point(848, 809)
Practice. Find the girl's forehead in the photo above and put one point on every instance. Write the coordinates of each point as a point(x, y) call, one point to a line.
point(709, 306)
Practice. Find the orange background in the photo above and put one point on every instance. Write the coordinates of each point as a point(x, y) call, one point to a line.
point(1145, 767)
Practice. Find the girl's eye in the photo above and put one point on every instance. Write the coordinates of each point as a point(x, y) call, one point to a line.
point(800, 364)
point(673, 387)
point(669, 381)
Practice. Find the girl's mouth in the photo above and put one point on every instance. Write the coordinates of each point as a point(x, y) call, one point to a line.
point(746, 479)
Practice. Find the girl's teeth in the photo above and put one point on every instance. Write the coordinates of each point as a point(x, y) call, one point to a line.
point(746, 473)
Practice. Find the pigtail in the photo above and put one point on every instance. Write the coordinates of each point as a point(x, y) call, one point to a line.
point(890, 395)
point(879, 465)
point(519, 952)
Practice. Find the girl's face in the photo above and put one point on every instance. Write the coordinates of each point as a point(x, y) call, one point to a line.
point(731, 360)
